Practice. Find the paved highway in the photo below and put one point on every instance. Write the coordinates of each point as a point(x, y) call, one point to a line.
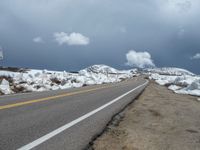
point(63, 119)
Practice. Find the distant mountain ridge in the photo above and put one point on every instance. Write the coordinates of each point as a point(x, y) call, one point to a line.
point(170, 71)
point(105, 69)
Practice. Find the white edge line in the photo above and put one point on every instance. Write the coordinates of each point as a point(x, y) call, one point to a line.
point(68, 125)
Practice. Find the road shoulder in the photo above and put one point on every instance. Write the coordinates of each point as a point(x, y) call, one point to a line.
point(158, 119)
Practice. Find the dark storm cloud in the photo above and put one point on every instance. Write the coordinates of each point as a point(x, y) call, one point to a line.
point(167, 29)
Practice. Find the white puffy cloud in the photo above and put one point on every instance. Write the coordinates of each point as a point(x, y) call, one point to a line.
point(196, 56)
point(71, 39)
point(139, 59)
point(38, 40)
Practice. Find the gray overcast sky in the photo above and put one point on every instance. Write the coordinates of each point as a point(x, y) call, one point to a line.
point(167, 29)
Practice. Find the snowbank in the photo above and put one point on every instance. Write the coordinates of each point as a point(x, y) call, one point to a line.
point(42, 80)
point(184, 84)
point(176, 79)
point(5, 87)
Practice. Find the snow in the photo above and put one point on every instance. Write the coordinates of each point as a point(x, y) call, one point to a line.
point(100, 69)
point(162, 79)
point(42, 80)
point(170, 71)
point(174, 87)
point(179, 80)
point(5, 87)
point(192, 89)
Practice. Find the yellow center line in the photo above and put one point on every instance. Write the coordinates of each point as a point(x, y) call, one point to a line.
point(49, 98)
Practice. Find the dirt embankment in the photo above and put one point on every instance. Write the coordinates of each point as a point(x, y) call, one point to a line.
point(158, 120)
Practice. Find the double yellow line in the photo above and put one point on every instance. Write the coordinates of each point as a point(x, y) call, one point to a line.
point(49, 98)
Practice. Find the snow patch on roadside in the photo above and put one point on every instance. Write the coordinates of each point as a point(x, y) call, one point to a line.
point(5, 87)
point(182, 82)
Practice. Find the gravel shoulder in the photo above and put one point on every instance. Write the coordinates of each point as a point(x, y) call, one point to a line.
point(157, 120)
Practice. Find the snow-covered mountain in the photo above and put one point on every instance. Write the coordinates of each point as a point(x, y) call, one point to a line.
point(104, 69)
point(170, 71)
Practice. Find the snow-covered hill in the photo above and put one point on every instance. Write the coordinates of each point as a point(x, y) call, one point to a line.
point(20, 80)
point(103, 69)
point(170, 71)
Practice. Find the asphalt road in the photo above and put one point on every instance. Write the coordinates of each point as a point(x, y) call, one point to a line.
point(63, 119)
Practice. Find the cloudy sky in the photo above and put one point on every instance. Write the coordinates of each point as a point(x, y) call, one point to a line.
point(72, 34)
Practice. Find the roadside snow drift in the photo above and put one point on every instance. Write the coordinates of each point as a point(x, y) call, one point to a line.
point(42, 80)
point(179, 80)
point(27, 80)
